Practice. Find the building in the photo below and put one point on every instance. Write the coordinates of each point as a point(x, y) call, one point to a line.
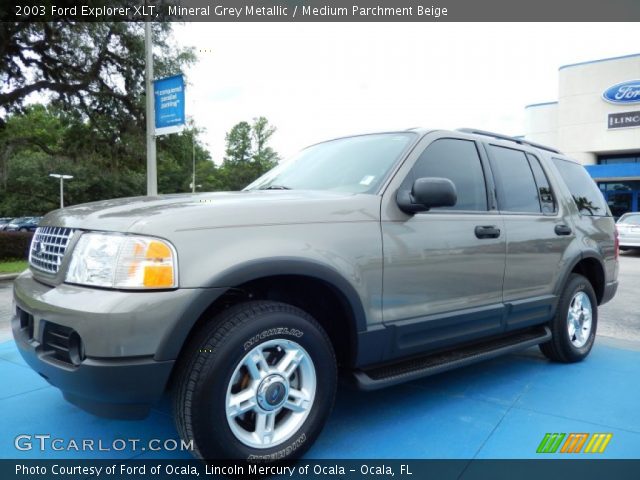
point(596, 121)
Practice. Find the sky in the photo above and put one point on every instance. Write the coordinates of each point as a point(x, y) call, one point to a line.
point(316, 81)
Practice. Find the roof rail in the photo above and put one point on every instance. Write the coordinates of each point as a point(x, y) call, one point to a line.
point(499, 136)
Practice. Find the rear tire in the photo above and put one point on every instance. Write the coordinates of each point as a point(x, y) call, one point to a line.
point(255, 383)
point(574, 325)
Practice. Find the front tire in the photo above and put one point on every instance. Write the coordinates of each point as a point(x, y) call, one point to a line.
point(574, 325)
point(257, 382)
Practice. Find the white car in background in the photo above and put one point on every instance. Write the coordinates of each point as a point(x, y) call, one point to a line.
point(629, 231)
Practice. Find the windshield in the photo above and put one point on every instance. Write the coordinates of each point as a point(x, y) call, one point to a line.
point(630, 219)
point(353, 164)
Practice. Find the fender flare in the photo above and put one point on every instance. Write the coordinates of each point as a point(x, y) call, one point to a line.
point(577, 259)
point(254, 270)
point(260, 268)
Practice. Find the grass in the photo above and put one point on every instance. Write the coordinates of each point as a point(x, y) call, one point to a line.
point(13, 266)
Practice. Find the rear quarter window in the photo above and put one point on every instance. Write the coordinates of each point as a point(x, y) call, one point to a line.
point(585, 192)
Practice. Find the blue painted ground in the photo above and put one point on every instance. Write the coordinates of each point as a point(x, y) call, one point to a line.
point(497, 409)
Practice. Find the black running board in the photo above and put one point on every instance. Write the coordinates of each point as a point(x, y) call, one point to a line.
point(414, 368)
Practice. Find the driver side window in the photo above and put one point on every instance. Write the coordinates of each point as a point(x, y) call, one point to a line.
point(459, 161)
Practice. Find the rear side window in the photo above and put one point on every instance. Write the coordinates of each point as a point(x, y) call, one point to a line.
point(517, 190)
point(545, 194)
point(584, 191)
point(457, 160)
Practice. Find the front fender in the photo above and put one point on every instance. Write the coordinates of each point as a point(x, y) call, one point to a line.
point(266, 267)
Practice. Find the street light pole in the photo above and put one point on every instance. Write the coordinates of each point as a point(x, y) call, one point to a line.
point(62, 179)
point(193, 159)
point(152, 173)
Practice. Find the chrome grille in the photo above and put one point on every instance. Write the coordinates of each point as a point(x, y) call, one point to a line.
point(48, 247)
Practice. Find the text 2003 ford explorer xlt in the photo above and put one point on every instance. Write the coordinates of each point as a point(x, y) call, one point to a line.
point(392, 256)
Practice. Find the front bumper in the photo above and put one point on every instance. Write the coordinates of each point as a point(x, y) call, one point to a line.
point(125, 343)
point(123, 389)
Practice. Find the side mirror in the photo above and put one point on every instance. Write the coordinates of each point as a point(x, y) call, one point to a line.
point(426, 193)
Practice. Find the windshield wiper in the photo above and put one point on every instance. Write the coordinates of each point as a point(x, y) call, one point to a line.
point(276, 187)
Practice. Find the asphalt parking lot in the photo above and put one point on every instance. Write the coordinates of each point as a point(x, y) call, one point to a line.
point(497, 409)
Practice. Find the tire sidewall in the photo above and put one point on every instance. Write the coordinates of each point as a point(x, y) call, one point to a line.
point(577, 284)
point(209, 410)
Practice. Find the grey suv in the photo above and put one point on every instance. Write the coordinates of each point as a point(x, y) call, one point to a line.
point(391, 256)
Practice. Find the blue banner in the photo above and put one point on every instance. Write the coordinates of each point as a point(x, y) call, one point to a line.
point(169, 104)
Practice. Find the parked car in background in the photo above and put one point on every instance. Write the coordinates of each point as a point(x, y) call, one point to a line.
point(23, 224)
point(4, 221)
point(629, 231)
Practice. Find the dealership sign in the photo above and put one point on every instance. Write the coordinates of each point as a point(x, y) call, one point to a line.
point(625, 92)
point(169, 104)
point(623, 120)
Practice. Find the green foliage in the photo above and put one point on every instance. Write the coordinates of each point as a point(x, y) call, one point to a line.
point(90, 68)
point(261, 133)
point(247, 154)
point(238, 141)
point(14, 245)
point(92, 126)
point(44, 140)
point(175, 163)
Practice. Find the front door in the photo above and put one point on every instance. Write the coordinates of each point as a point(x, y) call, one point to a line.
point(443, 269)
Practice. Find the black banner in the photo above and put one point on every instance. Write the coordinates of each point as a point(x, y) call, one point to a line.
point(324, 10)
point(547, 469)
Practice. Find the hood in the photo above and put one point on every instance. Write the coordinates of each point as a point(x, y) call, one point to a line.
point(161, 214)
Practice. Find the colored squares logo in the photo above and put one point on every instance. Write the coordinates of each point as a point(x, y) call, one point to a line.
point(598, 442)
point(574, 442)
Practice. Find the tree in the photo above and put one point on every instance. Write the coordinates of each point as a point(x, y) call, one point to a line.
point(46, 139)
point(175, 163)
point(261, 133)
point(238, 140)
point(92, 74)
point(94, 68)
point(247, 155)
point(43, 140)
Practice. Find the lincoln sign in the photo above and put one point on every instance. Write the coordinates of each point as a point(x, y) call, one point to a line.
point(623, 120)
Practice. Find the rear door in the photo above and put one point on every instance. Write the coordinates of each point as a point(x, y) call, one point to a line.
point(443, 269)
point(537, 234)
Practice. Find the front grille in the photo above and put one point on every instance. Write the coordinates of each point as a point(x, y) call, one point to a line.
point(48, 247)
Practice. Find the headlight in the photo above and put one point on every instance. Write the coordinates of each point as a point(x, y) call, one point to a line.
point(123, 261)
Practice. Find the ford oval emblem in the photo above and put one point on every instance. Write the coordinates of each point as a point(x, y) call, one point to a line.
point(625, 92)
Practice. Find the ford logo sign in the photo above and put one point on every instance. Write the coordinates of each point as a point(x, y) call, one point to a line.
point(625, 92)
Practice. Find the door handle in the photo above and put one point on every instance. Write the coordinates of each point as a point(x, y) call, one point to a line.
point(562, 230)
point(487, 231)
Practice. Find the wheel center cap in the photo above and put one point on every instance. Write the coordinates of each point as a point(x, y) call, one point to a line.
point(272, 392)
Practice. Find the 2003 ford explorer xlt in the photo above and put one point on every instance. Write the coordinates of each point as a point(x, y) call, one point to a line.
point(392, 256)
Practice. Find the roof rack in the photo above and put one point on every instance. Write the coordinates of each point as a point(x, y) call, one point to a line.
point(499, 136)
